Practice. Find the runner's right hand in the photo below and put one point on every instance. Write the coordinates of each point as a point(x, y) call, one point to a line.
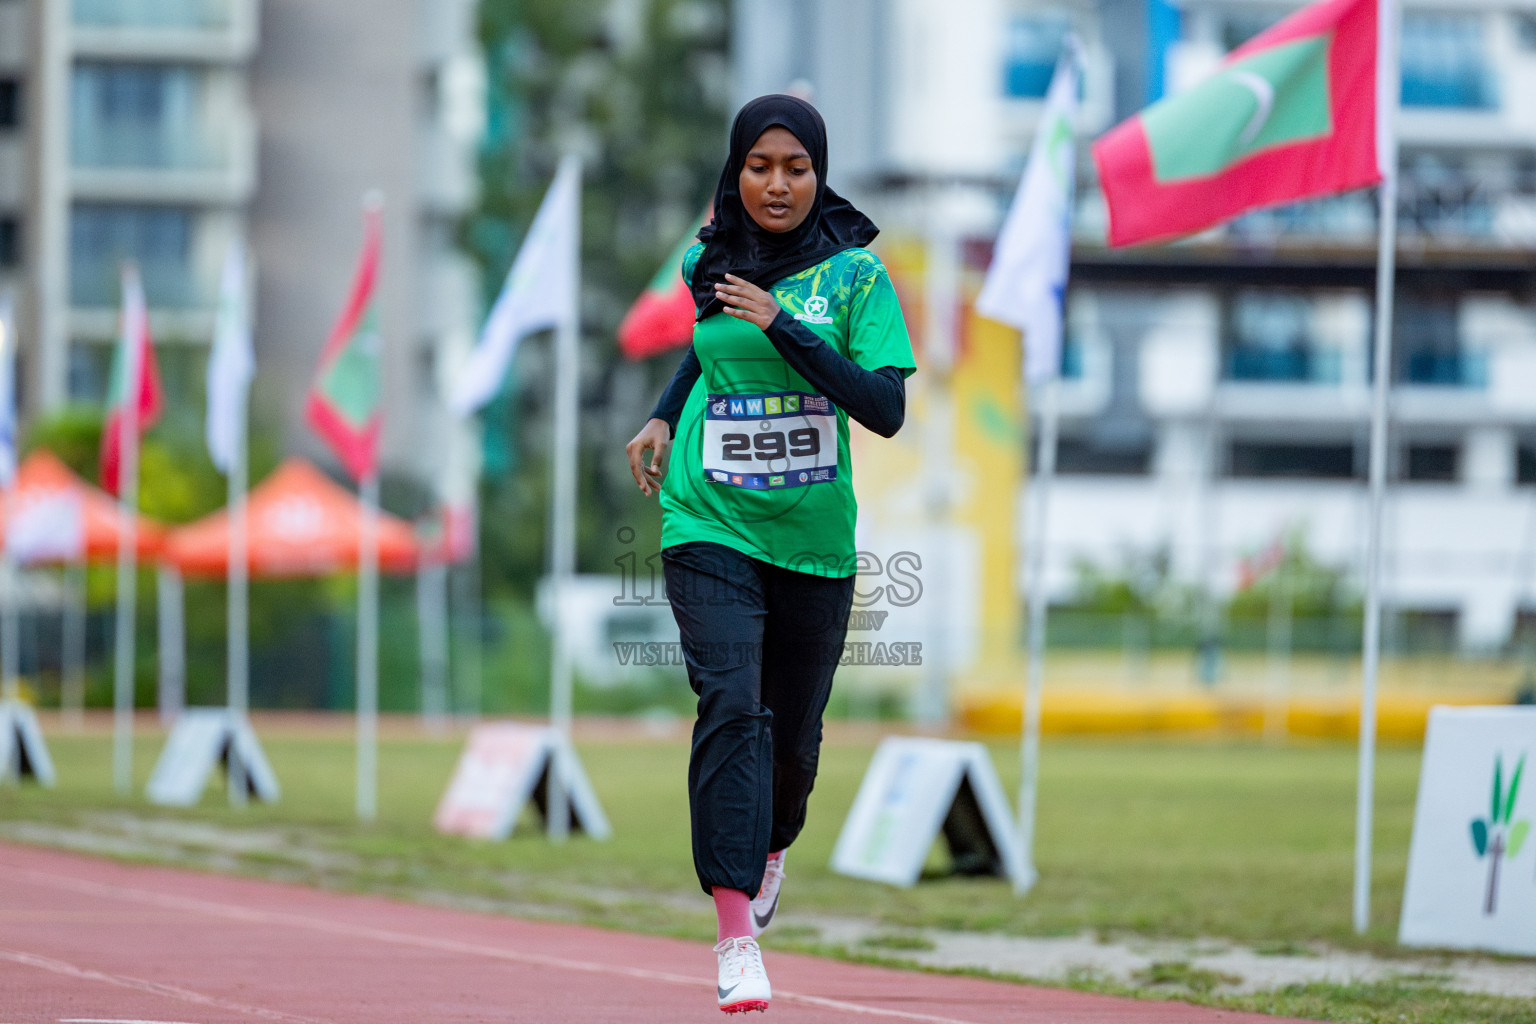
point(656, 436)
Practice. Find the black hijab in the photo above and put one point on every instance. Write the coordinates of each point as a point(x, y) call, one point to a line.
point(733, 241)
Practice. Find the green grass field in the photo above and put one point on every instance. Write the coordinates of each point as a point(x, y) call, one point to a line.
point(1136, 837)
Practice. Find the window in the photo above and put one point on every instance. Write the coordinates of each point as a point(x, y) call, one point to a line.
point(90, 367)
point(10, 241)
point(152, 13)
point(1269, 337)
point(1525, 30)
point(1030, 53)
point(10, 103)
point(133, 115)
point(1087, 457)
point(1071, 358)
point(157, 238)
point(1262, 459)
point(1525, 463)
point(1446, 63)
point(1432, 463)
point(1441, 197)
point(1427, 345)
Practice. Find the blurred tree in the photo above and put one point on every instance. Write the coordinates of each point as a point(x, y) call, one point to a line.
point(1315, 589)
point(1141, 583)
point(639, 89)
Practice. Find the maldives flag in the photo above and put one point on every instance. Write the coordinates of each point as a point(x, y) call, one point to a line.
point(662, 317)
point(343, 405)
point(1290, 114)
point(133, 342)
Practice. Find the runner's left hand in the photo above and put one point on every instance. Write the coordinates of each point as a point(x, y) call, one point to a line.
point(746, 301)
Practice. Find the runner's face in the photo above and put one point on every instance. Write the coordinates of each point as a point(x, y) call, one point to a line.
point(778, 183)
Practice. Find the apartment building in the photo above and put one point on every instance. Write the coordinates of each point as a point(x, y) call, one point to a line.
point(164, 131)
point(1215, 391)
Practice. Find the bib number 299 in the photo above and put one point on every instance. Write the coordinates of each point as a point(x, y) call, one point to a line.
point(769, 441)
point(770, 445)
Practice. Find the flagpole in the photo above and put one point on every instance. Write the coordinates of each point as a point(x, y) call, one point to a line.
point(72, 688)
point(563, 534)
point(1277, 704)
point(10, 627)
point(432, 641)
point(473, 609)
point(941, 298)
point(127, 547)
point(171, 644)
point(368, 650)
point(1386, 260)
point(1040, 503)
point(10, 685)
point(237, 610)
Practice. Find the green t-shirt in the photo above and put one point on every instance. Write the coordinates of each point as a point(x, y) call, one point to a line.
point(760, 459)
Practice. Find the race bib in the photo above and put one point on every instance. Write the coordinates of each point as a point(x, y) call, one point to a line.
point(764, 442)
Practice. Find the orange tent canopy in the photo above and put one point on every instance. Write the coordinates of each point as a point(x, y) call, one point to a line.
point(42, 477)
point(300, 523)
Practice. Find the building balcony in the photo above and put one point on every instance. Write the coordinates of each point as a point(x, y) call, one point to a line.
point(194, 30)
point(1460, 369)
point(184, 166)
point(169, 283)
point(1290, 365)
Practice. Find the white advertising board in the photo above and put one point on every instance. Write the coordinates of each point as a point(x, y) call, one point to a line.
point(915, 788)
point(506, 764)
point(200, 741)
point(22, 750)
point(1472, 861)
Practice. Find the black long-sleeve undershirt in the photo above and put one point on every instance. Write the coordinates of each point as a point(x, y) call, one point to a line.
point(674, 396)
point(876, 398)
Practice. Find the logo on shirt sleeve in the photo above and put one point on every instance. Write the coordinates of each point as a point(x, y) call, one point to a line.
point(815, 311)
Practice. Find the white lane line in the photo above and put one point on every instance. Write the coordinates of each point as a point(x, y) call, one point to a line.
point(235, 912)
point(152, 987)
point(114, 1020)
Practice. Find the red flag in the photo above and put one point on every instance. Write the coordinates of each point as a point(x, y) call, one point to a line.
point(343, 406)
point(1255, 567)
point(1291, 114)
point(134, 343)
point(662, 317)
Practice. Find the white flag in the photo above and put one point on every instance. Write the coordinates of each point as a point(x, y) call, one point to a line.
point(540, 291)
point(231, 364)
point(46, 527)
point(7, 393)
point(1027, 281)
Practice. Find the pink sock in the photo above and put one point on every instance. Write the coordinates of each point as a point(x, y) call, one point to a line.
point(733, 910)
point(776, 857)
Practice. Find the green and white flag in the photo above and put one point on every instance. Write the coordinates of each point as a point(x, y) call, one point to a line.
point(1027, 280)
point(540, 291)
point(344, 399)
point(231, 364)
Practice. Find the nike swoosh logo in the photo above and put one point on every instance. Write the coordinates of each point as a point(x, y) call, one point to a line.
point(762, 922)
point(725, 993)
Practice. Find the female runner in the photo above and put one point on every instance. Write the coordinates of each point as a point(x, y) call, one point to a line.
point(757, 505)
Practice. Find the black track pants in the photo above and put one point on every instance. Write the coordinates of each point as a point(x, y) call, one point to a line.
point(761, 643)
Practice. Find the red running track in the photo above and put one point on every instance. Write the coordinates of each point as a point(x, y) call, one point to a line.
point(91, 940)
